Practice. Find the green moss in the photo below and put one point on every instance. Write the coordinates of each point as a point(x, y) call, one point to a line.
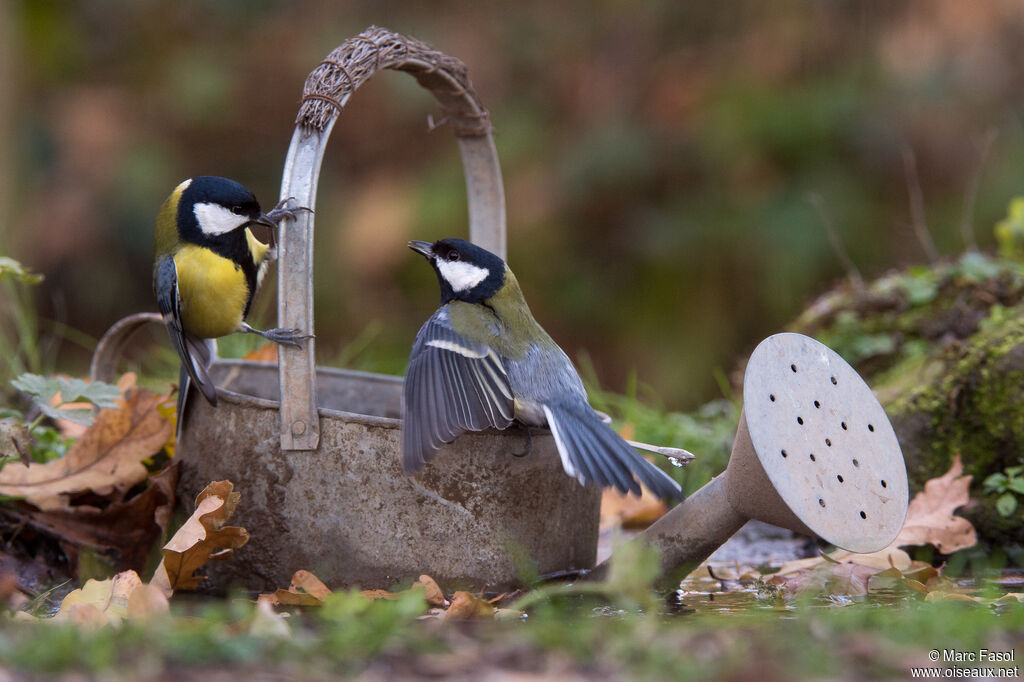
point(973, 407)
point(943, 347)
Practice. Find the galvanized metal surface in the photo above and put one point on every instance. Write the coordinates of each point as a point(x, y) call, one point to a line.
point(825, 443)
point(348, 514)
point(800, 399)
point(113, 343)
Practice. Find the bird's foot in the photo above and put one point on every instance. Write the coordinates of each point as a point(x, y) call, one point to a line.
point(528, 448)
point(286, 209)
point(285, 337)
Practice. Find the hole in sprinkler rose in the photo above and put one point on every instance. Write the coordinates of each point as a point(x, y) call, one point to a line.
point(840, 478)
point(821, 502)
point(817, 404)
point(871, 428)
point(771, 397)
point(843, 424)
point(828, 442)
point(793, 367)
point(786, 454)
point(884, 484)
point(800, 421)
point(863, 515)
point(834, 382)
point(856, 463)
point(813, 458)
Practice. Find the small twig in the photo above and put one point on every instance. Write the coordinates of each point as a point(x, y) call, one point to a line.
point(971, 191)
point(917, 206)
point(852, 272)
point(721, 581)
point(676, 454)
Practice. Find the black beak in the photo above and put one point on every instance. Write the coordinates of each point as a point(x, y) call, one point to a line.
point(264, 219)
point(425, 249)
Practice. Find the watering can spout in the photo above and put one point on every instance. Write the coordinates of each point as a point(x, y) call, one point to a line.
point(814, 452)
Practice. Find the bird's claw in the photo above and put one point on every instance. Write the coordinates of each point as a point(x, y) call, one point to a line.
point(285, 209)
point(285, 337)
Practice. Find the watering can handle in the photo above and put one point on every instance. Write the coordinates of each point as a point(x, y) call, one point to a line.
point(326, 91)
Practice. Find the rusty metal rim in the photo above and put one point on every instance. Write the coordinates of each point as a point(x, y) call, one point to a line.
point(244, 399)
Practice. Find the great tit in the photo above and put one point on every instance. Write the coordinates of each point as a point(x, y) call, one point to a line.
point(482, 361)
point(207, 264)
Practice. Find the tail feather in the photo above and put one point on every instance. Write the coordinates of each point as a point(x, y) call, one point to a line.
point(200, 354)
point(592, 452)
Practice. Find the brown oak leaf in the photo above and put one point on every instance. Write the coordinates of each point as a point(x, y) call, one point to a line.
point(110, 453)
point(203, 537)
point(306, 590)
point(466, 606)
point(930, 518)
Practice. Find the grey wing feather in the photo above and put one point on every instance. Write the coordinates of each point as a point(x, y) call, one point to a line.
point(192, 350)
point(592, 453)
point(453, 385)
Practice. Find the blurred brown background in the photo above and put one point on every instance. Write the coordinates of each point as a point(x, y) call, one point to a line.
point(658, 158)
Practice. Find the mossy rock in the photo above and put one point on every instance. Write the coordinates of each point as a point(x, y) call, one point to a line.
point(943, 347)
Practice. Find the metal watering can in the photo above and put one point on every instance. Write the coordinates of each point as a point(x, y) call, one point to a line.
point(315, 450)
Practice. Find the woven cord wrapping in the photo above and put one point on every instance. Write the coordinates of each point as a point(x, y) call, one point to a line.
point(346, 68)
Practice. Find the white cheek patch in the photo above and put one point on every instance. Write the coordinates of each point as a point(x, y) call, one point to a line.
point(215, 219)
point(460, 275)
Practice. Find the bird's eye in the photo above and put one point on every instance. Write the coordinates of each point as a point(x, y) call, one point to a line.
point(237, 210)
point(453, 255)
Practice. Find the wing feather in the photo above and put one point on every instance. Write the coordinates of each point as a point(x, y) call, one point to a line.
point(192, 350)
point(453, 385)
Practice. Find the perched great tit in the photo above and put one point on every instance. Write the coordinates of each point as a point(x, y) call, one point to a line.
point(207, 265)
point(482, 361)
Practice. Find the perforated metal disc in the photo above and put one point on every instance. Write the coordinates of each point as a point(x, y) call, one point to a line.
point(825, 442)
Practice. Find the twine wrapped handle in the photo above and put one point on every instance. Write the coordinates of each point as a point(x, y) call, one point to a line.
point(324, 95)
point(351, 64)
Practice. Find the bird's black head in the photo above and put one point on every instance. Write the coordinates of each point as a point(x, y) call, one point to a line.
point(212, 208)
point(465, 271)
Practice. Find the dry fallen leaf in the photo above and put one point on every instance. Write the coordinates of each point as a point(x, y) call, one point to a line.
point(125, 528)
point(110, 453)
point(827, 577)
point(379, 594)
point(630, 511)
point(146, 601)
point(432, 592)
point(306, 590)
point(466, 606)
point(265, 353)
point(890, 557)
point(202, 537)
point(99, 602)
point(930, 518)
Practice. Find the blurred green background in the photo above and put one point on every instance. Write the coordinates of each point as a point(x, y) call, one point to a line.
point(658, 158)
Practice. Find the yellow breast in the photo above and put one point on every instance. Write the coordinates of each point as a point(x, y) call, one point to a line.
point(213, 292)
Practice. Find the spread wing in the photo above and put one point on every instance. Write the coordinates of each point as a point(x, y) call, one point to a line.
point(193, 351)
point(453, 385)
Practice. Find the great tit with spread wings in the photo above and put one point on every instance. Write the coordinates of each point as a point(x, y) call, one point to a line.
point(482, 361)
